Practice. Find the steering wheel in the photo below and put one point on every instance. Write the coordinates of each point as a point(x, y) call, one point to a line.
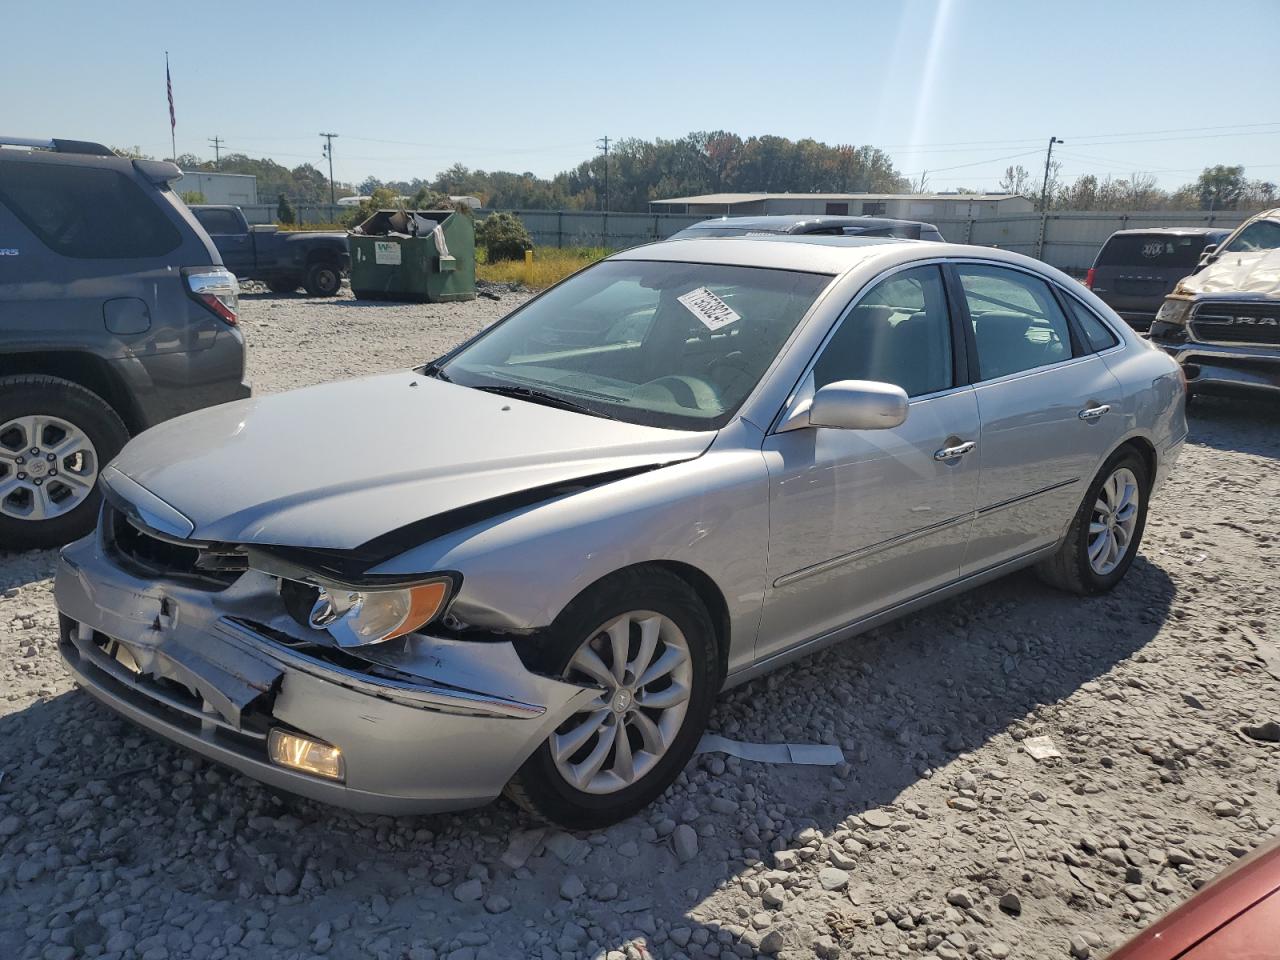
point(734, 363)
point(692, 393)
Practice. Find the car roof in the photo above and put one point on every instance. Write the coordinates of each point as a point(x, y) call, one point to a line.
point(1172, 231)
point(783, 220)
point(813, 254)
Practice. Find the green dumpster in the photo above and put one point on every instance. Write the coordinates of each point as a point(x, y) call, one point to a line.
point(422, 255)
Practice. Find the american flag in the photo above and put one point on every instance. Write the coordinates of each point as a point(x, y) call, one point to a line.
point(168, 82)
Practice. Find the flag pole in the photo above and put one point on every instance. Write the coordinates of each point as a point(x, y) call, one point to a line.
point(173, 123)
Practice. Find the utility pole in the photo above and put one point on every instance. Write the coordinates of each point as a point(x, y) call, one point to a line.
point(328, 152)
point(603, 144)
point(1044, 191)
point(217, 144)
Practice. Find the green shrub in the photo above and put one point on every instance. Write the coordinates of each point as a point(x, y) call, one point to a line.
point(284, 210)
point(381, 199)
point(503, 237)
point(193, 196)
point(426, 199)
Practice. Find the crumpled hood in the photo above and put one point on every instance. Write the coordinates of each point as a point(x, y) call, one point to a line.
point(337, 465)
point(1254, 272)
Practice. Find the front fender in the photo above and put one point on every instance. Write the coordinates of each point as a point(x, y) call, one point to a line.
point(521, 569)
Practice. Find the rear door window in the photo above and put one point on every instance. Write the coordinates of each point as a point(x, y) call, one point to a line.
point(1017, 324)
point(219, 222)
point(86, 212)
point(1151, 250)
point(1096, 333)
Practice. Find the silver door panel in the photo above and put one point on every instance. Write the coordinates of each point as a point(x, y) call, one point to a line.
point(864, 519)
point(1038, 454)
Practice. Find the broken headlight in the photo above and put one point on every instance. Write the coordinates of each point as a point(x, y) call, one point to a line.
point(357, 616)
point(1174, 311)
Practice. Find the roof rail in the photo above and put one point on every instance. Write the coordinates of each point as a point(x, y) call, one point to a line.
point(60, 146)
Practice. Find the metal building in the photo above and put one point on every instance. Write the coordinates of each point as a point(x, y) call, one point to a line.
point(905, 206)
point(236, 188)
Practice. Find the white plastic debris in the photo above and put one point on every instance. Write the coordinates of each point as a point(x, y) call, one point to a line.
point(523, 845)
point(813, 754)
point(1040, 748)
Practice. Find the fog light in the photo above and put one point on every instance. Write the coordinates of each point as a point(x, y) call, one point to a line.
point(309, 756)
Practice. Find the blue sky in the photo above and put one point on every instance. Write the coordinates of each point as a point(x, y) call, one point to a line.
point(960, 88)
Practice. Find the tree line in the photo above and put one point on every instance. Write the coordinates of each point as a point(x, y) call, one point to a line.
point(719, 162)
point(1220, 187)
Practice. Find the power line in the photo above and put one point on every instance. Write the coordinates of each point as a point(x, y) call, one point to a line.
point(217, 144)
point(976, 163)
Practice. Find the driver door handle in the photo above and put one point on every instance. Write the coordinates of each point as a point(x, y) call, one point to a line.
point(951, 453)
point(1093, 413)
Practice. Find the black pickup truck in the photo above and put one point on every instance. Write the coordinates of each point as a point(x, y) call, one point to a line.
point(285, 260)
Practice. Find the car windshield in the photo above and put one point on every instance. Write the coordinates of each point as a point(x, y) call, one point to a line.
point(1259, 235)
point(677, 345)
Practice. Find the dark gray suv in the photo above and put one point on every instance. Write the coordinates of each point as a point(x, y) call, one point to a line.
point(115, 314)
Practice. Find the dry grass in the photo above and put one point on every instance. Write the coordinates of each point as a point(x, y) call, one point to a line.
point(550, 265)
point(311, 227)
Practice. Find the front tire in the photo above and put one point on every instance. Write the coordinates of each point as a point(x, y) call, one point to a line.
point(1107, 529)
point(55, 436)
point(323, 279)
point(645, 639)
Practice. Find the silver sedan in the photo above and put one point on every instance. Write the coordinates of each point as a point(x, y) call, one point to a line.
point(530, 565)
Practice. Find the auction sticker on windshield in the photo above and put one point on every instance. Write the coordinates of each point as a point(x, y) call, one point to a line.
point(708, 308)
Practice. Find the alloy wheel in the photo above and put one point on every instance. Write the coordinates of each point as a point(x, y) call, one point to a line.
point(1115, 517)
point(641, 663)
point(48, 466)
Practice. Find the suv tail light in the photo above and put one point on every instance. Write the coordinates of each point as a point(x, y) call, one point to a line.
point(216, 288)
point(1088, 277)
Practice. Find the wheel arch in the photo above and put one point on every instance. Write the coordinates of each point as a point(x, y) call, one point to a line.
point(712, 598)
point(697, 580)
point(82, 368)
point(1144, 448)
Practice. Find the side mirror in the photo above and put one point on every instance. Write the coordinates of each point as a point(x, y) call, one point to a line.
point(853, 405)
point(1207, 256)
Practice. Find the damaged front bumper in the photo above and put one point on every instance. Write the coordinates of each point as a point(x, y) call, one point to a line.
point(424, 723)
point(1217, 365)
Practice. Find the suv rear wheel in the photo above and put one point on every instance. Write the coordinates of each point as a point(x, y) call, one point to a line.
point(55, 436)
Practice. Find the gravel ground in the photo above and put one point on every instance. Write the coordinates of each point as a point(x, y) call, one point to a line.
point(941, 836)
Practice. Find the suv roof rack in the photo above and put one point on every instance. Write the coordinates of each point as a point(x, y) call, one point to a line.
point(59, 146)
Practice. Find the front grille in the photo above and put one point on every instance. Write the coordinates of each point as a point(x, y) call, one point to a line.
point(1237, 323)
point(213, 566)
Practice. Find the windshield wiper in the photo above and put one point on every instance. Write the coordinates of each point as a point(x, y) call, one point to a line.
point(434, 369)
point(546, 399)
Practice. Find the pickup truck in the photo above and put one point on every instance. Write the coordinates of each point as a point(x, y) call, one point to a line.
point(285, 260)
point(1222, 323)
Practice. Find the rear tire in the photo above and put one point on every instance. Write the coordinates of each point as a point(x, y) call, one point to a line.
point(43, 412)
point(1082, 564)
point(323, 279)
point(661, 730)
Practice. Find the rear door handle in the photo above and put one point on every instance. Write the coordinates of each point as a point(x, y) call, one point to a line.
point(959, 450)
point(1093, 413)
